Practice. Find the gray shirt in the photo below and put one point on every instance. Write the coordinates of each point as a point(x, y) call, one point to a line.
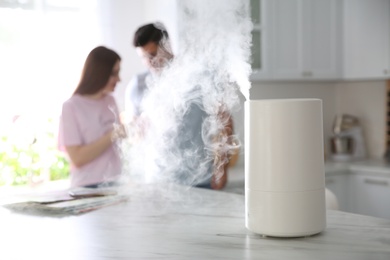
point(196, 166)
point(135, 92)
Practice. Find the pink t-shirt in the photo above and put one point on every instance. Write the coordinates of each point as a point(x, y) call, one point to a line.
point(83, 121)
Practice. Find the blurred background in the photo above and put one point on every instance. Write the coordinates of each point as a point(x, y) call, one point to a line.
point(335, 50)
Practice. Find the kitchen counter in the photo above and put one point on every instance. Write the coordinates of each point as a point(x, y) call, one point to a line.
point(380, 167)
point(236, 180)
point(178, 222)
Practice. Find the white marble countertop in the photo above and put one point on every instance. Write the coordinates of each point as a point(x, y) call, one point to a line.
point(182, 223)
point(369, 166)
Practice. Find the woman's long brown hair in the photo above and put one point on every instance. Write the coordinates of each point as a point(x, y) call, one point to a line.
point(97, 70)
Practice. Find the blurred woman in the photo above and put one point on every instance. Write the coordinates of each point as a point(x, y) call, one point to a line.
point(90, 127)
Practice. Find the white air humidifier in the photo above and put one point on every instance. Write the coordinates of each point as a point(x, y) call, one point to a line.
point(284, 167)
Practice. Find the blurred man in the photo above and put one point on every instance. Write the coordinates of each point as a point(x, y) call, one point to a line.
point(152, 45)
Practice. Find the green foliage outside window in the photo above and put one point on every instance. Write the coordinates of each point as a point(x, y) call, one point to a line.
point(31, 156)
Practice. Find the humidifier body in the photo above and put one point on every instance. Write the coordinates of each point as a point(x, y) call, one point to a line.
point(284, 167)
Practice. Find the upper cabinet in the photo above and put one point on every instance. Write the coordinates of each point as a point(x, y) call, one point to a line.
point(260, 40)
point(301, 39)
point(366, 39)
point(320, 39)
point(305, 39)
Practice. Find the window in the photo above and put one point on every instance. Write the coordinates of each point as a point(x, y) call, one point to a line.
point(43, 45)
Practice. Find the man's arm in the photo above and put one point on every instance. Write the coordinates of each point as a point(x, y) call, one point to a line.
point(222, 156)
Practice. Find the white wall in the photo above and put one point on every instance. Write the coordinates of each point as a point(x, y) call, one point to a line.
point(367, 101)
point(120, 19)
point(165, 12)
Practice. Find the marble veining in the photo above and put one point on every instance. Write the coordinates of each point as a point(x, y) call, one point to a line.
point(177, 222)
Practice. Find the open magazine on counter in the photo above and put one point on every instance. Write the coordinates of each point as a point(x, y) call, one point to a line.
point(73, 202)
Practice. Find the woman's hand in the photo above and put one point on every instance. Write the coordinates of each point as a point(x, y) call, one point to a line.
point(119, 132)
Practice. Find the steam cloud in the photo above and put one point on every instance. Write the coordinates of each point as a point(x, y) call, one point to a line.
point(209, 71)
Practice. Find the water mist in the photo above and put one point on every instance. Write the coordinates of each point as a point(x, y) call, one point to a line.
point(284, 175)
point(208, 72)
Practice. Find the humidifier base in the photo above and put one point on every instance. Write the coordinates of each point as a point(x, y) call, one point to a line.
point(285, 214)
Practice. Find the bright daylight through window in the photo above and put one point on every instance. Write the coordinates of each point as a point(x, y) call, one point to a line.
point(43, 44)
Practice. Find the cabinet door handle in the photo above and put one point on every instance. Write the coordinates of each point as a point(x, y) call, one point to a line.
point(329, 181)
point(376, 182)
point(307, 74)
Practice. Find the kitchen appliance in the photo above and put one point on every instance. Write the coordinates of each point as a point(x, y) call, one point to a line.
point(347, 143)
point(284, 167)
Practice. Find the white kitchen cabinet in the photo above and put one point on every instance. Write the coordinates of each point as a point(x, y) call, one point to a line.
point(305, 39)
point(369, 194)
point(366, 30)
point(260, 61)
point(338, 184)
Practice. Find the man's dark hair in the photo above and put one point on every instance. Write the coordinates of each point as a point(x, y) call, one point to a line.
point(153, 32)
